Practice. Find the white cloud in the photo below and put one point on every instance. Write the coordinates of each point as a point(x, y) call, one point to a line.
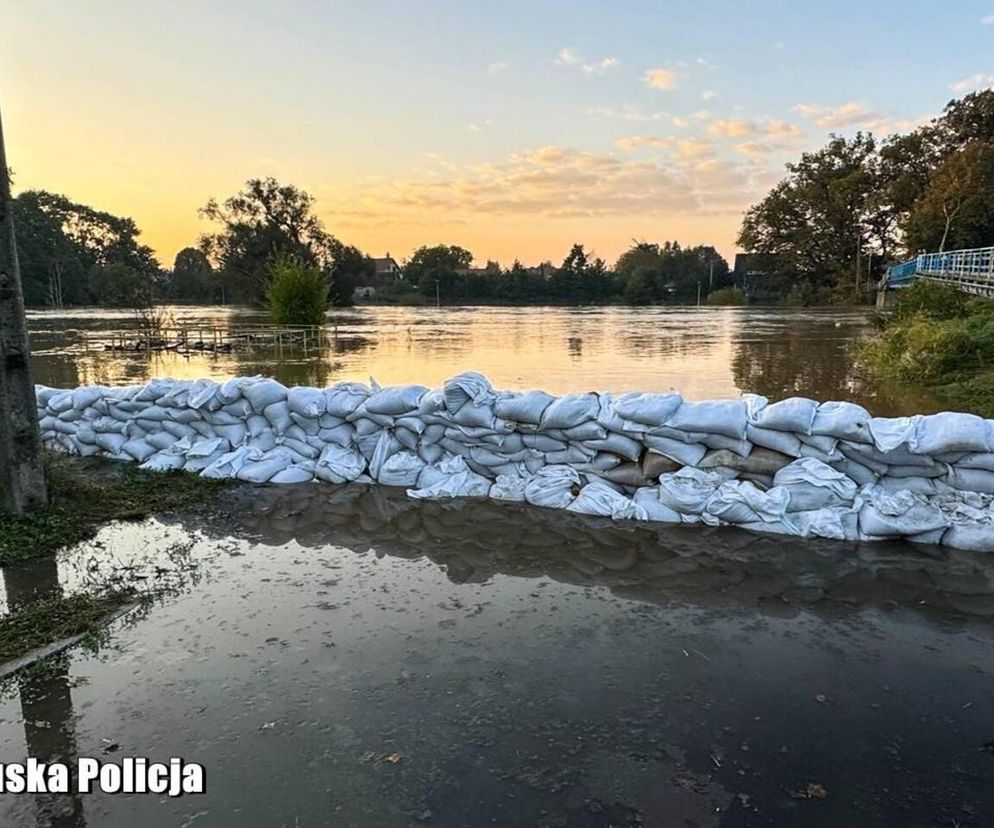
point(987, 20)
point(978, 81)
point(497, 67)
point(709, 95)
point(661, 78)
point(626, 113)
point(852, 113)
point(688, 148)
point(732, 128)
point(781, 129)
point(680, 122)
point(636, 141)
point(567, 57)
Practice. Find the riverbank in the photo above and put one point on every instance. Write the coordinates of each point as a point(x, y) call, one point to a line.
point(941, 338)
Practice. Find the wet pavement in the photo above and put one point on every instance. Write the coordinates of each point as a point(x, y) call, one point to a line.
point(348, 656)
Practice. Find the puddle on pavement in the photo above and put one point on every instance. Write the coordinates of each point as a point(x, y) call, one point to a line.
point(521, 666)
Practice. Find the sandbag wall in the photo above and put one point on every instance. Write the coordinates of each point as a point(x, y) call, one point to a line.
point(794, 467)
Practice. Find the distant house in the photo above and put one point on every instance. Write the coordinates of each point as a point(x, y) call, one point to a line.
point(387, 270)
point(546, 270)
point(756, 274)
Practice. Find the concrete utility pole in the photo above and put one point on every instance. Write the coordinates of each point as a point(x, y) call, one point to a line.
point(22, 473)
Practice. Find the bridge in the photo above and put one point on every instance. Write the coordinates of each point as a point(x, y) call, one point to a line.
point(971, 271)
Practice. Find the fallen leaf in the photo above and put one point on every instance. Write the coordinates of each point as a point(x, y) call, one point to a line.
point(394, 758)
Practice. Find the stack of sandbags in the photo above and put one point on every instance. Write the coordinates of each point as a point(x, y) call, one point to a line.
point(795, 466)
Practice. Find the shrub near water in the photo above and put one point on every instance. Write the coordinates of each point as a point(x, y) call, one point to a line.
point(296, 294)
point(727, 296)
point(941, 337)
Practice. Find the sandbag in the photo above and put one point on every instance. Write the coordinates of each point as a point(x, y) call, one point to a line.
point(339, 464)
point(759, 461)
point(794, 414)
point(163, 461)
point(649, 409)
point(951, 431)
point(599, 499)
point(968, 480)
point(395, 400)
point(833, 522)
point(739, 501)
point(615, 444)
point(625, 474)
point(972, 537)
point(778, 441)
point(889, 433)
point(814, 485)
point(720, 441)
point(553, 487)
point(343, 398)
point(468, 387)
point(844, 421)
point(646, 500)
point(570, 410)
point(307, 402)
point(264, 393)
point(508, 487)
point(897, 514)
point(523, 408)
point(687, 454)
point(688, 490)
point(277, 415)
point(455, 479)
point(726, 417)
point(401, 469)
point(655, 464)
point(138, 449)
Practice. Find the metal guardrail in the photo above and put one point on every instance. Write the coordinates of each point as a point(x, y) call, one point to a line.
point(971, 270)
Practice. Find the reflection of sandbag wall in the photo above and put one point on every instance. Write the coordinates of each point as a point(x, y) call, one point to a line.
point(794, 467)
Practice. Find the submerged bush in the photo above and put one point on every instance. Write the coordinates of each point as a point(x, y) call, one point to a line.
point(727, 296)
point(296, 294)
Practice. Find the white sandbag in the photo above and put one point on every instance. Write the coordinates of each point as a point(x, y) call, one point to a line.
point(972, 537)
point(110, 443)
point(430, 452)
point(726, 417)
point(572, 455)
point(646, 500)
point(343, 398)
point(339, 464)
point(386, 447)
point(139, 450)
point(300, 448)
point(401, 469)
point(408, 439)
point(844, 421)
point(599, 499)
point(969, 480)
point(235, 434)
point(264, 393)
point(951, 431)
point(468, 387)
point(413, 424)
point(59, 402)
point(263, 469)
point(919, 485)
point(207, 446)
point(897, 514)
point(86, 395)
point(163, 461)
point(161, 440)
point(688, 454)
point(687, 491)
point(649, 409)
point(779, 441)
point(197, 465)
point(204, 391)
point(823, 442)
point(301, 473)
point(739, 501)
point(889, 433)
point(982, 460)
point(590, 430)
point(861, 475)
point(307, 402)
point(930, 470)
point(615, 444)
point(570, 410)
point(818, 454)
point(278, 416)
point(833, 522)
point(227, 465)
point(720, 441)
point(231, 390)
point(814, 485)
point(455, 479)
point(543, 443)
point(553, 487)
point(508, 487)
point(794, 414)
point(395, 400)
point(473, 415)
point(523, 408)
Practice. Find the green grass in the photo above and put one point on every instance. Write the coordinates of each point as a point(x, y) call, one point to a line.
point(85, 495)
point(47, 620)
point(727, 296)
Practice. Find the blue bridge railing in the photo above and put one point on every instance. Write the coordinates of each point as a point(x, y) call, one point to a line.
point(969, 270)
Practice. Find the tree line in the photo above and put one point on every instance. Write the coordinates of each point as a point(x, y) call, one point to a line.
point(73, 254)
point(848, 210)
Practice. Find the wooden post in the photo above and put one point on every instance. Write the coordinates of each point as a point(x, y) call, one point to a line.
point(22, 476)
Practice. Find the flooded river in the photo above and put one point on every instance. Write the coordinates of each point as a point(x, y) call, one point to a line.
point(701, 352)
point(347, 656)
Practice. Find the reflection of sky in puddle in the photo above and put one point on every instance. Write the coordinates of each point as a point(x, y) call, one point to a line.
point(703, 352)
point(525, 661)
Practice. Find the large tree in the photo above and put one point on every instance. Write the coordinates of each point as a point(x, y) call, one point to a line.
point(192, 279)
point(439, 264)
point(347, 266)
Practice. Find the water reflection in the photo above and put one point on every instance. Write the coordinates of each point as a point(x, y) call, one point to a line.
point(474, 540)
point(703, 352)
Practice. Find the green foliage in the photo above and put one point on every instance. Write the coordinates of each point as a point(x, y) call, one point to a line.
point(83, 495)
point(928, 189)
point(193, 277)
point(62, 244)
point(440, 264)
point(348, 266)
point(653, 273)
point(297, 294)
point(727, 296)
point(119, 286)
point(930, 299)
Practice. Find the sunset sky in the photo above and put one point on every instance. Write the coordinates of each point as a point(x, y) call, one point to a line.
point(510, 128)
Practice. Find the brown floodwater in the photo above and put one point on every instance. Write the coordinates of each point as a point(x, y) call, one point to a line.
point(702, 352)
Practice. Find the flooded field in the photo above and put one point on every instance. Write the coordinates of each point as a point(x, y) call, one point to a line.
point(348, 656)
point(701, 352)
